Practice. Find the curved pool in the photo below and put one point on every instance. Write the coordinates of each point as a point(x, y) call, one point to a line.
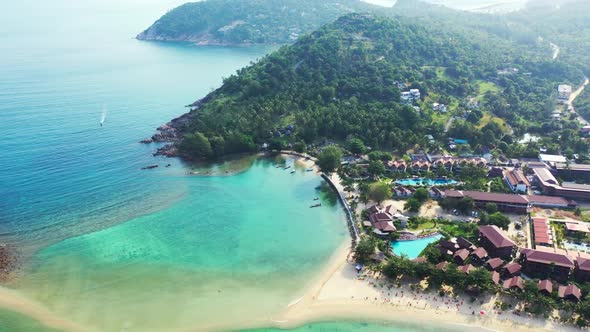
point(415, 182)
point(413, 248)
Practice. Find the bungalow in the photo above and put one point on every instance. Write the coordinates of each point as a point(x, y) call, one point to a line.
point(493, 264)
point(464, 243)
point(420, 166)
point(466, 268)
point(546, 264)
point(582, 272)
point(382, 220)
point(570, 292)
point(402, 192)
point(447, 248)
point(496, 243)
point(397, 166)
point(496, 277)
point(545, 287)
point(479, 255)
point(517, 182)
point(442, 265)
point(512, 270)
point(435, 193)
point(460, 256)
point(514, 283)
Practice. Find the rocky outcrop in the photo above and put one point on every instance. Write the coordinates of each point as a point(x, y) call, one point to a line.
point(8, 262)
point(168, 150)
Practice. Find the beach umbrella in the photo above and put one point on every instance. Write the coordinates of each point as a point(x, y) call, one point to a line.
point(482, 312)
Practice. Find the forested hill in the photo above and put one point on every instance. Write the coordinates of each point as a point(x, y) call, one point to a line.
point(345, 79)
point(242, 22)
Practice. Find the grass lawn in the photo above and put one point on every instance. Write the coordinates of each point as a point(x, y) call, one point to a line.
point(427, 225)
point(487, 118)
point(484, 87)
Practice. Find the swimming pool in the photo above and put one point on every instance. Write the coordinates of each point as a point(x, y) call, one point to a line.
point(415, 182)
point(412, 249)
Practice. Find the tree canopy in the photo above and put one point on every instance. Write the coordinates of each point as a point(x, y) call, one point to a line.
point(329, 159)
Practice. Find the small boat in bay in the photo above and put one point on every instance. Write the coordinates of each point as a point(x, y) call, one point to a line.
point(315, 205)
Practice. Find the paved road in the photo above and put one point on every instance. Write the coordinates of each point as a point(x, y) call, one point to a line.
point(556, 50)
point(570, 102)
point(449, 123)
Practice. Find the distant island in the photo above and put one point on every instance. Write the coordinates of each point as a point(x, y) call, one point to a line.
point(247, 22)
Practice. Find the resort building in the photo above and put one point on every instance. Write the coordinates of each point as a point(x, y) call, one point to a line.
point(496, 243)
point(494, 264)
point(514, 283)
point(577, 171)
point(512, 270)
point(546, 264)
point(542, 232)
point(582, 272)
point(479, 256)
point(410, 97)
point(516, 181)
point(550, 202)
point(574, 228)
point(551, 159)
point(564, 91)
point(570, 292)
point(466, 268)
point(460, 256)
point(504, 202)
point(545, 287)
point(382, 220)
point(496, 277)
point(547, 181)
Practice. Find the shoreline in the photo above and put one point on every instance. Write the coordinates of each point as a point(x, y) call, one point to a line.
point(340, 296)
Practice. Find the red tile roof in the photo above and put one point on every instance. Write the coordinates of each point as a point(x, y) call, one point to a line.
point(480, 253)
point(513, 268)
point(548, 258)
point(583, 263)
point(495, 263)
point(546, 285)
point(577, 227)
point(514, 282)
point(569, 290)
point(462, 253)
point(516, 177)
point(496, 236)
point(489, 197)
point(496, 277)
point(466, 268)
point(548, 200)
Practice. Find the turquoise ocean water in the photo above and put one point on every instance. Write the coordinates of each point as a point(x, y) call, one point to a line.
point(111, 247)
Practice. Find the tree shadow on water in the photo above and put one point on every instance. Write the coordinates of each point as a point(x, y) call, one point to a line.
point(327, 195)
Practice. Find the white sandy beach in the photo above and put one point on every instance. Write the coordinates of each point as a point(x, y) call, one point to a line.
point(340, 295)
